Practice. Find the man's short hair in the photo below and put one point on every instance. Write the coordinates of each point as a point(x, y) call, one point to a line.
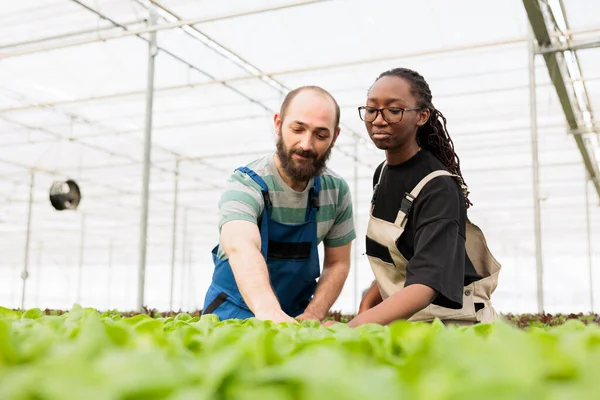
point(292, 94)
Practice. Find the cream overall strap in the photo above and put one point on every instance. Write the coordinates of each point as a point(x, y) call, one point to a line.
point(410, 197)
point(377, 185)
point(382, 171)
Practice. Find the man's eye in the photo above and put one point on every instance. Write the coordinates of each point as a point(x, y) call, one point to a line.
point(296, 129)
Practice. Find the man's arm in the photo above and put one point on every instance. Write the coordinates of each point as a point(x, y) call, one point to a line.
point(402, 305)
point(241, 242)
point(371, 298)
point(336, 267)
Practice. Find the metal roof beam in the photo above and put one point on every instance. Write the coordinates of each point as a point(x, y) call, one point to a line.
point(145, 29)
point(558, 72)
point(572, 46)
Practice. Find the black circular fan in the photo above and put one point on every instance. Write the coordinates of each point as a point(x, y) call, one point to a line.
point(65, 195)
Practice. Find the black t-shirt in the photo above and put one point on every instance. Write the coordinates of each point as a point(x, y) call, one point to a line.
point(433, 241)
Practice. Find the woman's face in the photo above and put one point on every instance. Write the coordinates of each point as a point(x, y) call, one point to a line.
point(399, 131)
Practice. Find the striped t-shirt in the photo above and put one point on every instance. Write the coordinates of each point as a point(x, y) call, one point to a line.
point(242, 200)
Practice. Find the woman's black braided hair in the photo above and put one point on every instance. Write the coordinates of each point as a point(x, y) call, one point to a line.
point(432, 136)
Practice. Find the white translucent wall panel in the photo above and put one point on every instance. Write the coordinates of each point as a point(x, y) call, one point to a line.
point(578, 13)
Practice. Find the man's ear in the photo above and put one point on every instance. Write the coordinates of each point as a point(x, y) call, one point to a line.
point(335, 136)
point(423, 117)
point(277, 121)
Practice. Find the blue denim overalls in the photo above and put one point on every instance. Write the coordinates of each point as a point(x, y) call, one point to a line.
point(292, 257)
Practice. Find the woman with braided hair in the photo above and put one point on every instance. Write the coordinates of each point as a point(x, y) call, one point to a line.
point(428, 259)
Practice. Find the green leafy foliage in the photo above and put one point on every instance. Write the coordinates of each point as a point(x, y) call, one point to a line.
point(543, 320)
point(520, 320)
point(85, 354)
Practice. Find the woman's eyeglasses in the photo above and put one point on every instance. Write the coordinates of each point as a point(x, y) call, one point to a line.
point(392, 115)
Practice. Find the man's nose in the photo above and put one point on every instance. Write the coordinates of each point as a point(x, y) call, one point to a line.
point(306, 143)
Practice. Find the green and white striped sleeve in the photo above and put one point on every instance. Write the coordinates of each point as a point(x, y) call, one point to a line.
point(241, 200)
point(342, 232)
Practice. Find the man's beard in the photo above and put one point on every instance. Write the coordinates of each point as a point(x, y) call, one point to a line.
point(305, 171)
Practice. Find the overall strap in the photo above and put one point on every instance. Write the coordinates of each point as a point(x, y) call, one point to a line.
point(313, 199)
point(407, 200)
point(383, 167)
point(263, 186)
point(374, 196)
point(415, 192)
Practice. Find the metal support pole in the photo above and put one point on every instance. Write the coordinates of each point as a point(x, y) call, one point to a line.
point(110, 264)
point(183, 255)
point(81, 254)
point(517, 280)
point(356, 224)
point(38, 278)
point(190, 282)
point(25, 273)
point(589, 240)
point(174, 234)
point(152, 51)
point(536, 178)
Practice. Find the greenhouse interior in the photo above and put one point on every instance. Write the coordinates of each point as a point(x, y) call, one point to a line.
point(147, 254)
point(109, 95)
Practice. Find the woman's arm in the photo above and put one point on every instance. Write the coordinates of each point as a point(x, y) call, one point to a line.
point(402, 305)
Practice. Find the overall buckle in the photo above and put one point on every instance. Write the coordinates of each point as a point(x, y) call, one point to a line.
point(407, 202)
point(314, 200)
point(374, 195)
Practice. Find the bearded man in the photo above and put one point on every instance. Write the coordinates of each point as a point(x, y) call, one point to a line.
point(273, 215)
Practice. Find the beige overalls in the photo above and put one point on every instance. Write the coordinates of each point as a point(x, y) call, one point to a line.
point(392, 277)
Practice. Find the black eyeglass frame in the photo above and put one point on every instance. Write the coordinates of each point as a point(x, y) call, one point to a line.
point(381, 110)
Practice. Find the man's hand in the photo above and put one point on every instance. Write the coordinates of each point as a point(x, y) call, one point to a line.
point(370, 299)
point(275, 315)
point(308, 315)
point(329, 323)
point(336, 266)
point(366, 304)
